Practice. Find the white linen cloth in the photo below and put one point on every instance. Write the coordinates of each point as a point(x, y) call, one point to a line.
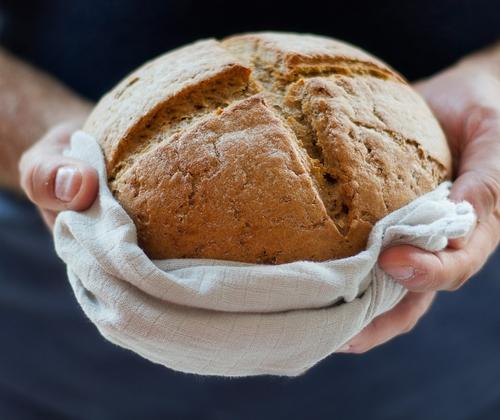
point(235, 319)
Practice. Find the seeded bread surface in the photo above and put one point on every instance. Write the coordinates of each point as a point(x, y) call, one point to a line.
point(265, 148)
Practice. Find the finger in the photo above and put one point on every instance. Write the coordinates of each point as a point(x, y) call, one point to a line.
point(55, 182)
point(478, 179)
point(420, 271)
point(399, 320)
point(458, 243)
point(482, 190)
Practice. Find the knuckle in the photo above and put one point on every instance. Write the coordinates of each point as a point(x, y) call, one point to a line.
point(24, 175)
point(436, 276)
point(435, 282)
point(359, 349)
point(59, 135)
point(454, 271)
point(487, 194)
point(38, 182)
point(29, 169)
point(414, 315)
point(466, 274)
point(409, 327)
point(418, 307)
point(470, 262)
point(457, 284)
point(481, 117)
point(25, 166)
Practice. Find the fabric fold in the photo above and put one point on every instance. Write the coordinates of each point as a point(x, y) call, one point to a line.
point(215, 317)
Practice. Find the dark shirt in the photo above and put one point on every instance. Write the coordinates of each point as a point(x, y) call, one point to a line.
point(53, 362)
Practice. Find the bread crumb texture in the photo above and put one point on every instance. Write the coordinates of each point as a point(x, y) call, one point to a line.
point(265, 148)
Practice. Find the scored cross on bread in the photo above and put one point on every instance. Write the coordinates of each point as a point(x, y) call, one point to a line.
point(265, 148)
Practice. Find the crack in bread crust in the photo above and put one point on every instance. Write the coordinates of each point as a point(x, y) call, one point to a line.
point(179, 112)
point(328, 151)
point(327, 179)
point(432, 165)
point(275, 84)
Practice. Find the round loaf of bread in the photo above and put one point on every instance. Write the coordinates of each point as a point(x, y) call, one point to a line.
point(265, 148)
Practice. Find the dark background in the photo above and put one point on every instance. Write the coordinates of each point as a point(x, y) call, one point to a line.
point(91, 44)
point(54, 364)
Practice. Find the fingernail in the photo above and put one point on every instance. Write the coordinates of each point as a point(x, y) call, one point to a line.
point(67, 183)
point(401, 273)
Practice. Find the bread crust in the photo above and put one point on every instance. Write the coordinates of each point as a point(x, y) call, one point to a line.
point(266, 148)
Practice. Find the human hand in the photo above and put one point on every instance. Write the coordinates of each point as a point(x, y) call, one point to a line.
point(466, 100)
point(53, 181)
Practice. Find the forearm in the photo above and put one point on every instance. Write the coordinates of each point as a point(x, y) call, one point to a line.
point(30, 103)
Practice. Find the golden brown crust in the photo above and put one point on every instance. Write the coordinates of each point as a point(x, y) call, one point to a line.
point(136, 99)
point(266, 148)
point(233, 187)
point(290, 54)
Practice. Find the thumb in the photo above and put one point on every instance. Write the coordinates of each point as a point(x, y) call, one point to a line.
point(480, 188)
point(478, 178)
point(56, 182)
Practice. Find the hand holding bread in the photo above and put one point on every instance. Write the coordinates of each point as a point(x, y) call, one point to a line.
point(55, 182)
point(271, 148)
point(466, 101)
